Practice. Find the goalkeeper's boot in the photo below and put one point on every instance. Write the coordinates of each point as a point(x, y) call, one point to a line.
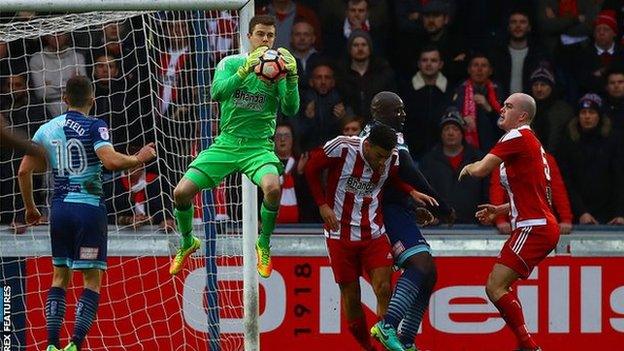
point(183, 252)
point(265, 267)
point(410, 347)
point(52, 348)
point(387, 336)
point(71, 347)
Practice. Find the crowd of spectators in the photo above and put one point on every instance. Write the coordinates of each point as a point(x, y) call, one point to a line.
point(452, 61)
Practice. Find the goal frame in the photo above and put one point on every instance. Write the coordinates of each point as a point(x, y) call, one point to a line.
point(249, 190)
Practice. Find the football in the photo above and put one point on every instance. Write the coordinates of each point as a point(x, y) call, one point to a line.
point(271, 67)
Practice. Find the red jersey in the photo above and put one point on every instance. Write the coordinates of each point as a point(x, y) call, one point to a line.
point(353, 189)
point(525, 175)
point(561, 202)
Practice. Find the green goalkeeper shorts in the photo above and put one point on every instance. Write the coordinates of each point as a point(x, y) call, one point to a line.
point(228, 154)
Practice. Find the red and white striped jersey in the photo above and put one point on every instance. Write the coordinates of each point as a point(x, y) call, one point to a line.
point(525, 175)
point(353, 190)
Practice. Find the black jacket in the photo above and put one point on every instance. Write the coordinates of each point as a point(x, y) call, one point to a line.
point(593, 169)
point(463, 196)
point(501, 62)
point(424, 108)
point(358, 91)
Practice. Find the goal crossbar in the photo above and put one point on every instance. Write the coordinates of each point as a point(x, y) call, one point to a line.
point(120, 5)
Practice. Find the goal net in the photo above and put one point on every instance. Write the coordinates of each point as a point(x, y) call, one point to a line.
point(152, 72)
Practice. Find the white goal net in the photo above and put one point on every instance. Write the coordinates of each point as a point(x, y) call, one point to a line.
point(152, 73)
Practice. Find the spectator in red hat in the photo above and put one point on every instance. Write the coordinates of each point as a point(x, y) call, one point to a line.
point(591, 164)
point(553, 113)
point(600, 55)
point(565, 23)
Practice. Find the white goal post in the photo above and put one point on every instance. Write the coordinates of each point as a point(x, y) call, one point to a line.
point(245, 9)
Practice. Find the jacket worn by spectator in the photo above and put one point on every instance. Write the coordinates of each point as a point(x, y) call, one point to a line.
point(592, 166)
point(502, 64)
point(551, 118)
point(323, 125)
point(358, 90)
point(463, 196)
point(424, 104)
point(50, 71)
point(487, 129)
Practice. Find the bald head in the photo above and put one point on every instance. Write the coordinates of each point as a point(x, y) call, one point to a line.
point(517, 111)
point(525, 103)
point(387, 108)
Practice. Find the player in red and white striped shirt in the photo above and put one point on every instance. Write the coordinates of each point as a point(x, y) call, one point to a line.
point(524, 173)
point(355, 234)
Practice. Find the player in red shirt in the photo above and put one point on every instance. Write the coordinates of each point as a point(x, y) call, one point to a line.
point(355, 235)
point(524, 173)
point(560, 199)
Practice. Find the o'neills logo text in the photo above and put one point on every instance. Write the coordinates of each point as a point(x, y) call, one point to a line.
point(5, 307)
point(249, 101)
point(355, 185)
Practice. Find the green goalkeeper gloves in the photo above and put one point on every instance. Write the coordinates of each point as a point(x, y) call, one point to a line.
point(291, 63)
point(252, 60)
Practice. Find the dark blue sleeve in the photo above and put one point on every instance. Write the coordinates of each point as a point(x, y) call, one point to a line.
point(409, 173)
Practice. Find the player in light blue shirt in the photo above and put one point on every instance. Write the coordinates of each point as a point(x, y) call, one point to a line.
point(76, 146)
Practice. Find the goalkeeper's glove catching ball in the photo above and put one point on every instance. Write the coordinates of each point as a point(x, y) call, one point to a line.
point(252, 60)
point(291, 64)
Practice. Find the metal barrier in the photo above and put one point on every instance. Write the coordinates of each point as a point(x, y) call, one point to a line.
point(307, 240)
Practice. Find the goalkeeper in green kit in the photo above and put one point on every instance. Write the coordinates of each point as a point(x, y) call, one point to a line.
point(248, 112)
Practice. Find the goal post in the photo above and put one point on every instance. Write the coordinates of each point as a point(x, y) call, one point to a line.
point(172, 162)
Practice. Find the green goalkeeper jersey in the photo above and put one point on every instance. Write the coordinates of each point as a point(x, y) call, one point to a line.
point(249, 106)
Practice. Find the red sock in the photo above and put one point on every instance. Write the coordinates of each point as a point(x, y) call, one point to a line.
point(359, 330)
point(511, 311)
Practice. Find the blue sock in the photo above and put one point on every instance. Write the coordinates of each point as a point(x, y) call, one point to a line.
point(413, 318)
point(404, 296)
point(55, 313)
point(85, 314)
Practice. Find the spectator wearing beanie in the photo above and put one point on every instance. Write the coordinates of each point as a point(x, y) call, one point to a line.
point(442, 164)
point(363, 75)
point(591, 165)
point(600, 55)
point(553, 113)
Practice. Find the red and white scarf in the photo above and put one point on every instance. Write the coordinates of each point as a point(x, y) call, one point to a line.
point(288, 210)
point(469, 110)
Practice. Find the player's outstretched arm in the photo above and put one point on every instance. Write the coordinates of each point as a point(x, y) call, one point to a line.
point(481, 168)
point(29, 165)
point(116, 161)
